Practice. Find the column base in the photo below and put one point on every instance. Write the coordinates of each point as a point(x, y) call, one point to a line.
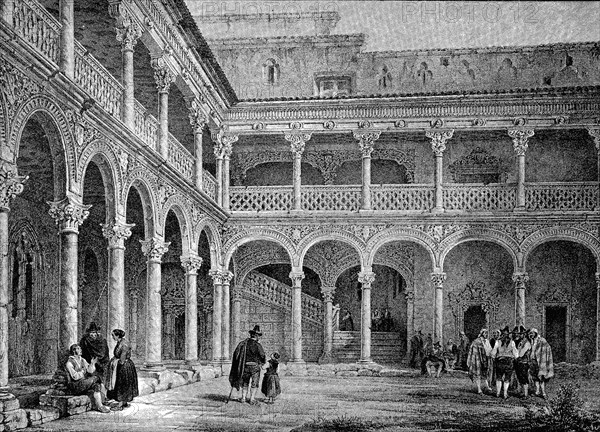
point(367, 211)
point(438, 210)
point(326, 358)
point(192, 363)
point(297, 212)
point(367, 361)
point(153, 367)
point(520, 209)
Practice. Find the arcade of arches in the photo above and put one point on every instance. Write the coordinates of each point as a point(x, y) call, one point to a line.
point(138, 192)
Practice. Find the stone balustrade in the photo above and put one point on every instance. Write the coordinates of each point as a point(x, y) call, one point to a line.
point(34, 24)
point(181, 159)
point(146, 126)
point(575, 196)
point(209, 185)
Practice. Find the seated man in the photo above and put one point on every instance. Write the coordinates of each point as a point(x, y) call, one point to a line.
point(82, 378)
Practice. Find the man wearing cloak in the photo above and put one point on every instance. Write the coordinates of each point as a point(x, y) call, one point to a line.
point(93, 344)
point(248, 358)
point(541, 364)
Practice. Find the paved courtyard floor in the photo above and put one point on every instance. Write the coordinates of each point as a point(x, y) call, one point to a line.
point(400, 404)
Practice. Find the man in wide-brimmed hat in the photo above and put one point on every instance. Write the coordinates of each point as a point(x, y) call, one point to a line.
point(248, 358)
point(522, 361)
point(541, 364)
point(93, 344)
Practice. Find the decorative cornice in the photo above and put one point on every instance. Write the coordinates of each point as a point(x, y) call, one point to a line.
point(366, 279)
point(520, 138)
point(69, 214)
point(154, 248)
point(116, 234)
point(11, 184)
point(438, 140)
point(366, 140)
point(191, 264)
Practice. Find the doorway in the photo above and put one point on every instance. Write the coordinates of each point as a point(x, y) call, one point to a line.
point(556, 331)
point(474, 320)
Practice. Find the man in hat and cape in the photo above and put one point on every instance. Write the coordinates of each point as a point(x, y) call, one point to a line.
point(248, 359)
point(541, 364)
point(94, 345)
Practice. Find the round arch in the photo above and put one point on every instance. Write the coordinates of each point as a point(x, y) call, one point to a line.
point(211, 229)
point(561, 233)
point(253, 234)
point(405, 234)
point(108, 180)
point(60, 139)
point(143, 190)
point(485, 235)
point(330, 234)
point(174, 204)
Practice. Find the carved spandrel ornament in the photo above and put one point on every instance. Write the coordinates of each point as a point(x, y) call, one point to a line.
point(438, 140)
point(116, 234)
point(68, 214)
point(83, 131)
point(11, 184)
point(16, 87)
point(520, 138)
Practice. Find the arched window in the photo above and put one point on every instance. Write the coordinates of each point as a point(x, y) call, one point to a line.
point(271, 72)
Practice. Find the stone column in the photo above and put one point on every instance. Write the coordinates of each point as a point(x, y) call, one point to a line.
point(7, 8)
point(227, 150)
point(296, 275)
point(297, 143)
point(69, 214)
point(217, 318)
point(520, 137)
point(67, 38)
point(598, 317)
point(236, 313)
point(128, 33)
point(520, 279)
point(410, 313)
point(327, 356)
point(438, 145)
point(191, 264)
point(133, 320)
point(116, 234)
point(366, 278)
point(198, 121)
point(366, 140)
point(595, 134)
point(226, 336)
point(154, 249)
point(438, 318)
point(11, 185)
point(223, 149)
point(164, 77)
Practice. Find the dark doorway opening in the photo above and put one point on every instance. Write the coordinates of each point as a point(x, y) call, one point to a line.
point(556, 331)
point(474, 320)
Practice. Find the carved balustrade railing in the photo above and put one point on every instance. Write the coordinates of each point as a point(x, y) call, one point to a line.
point(268, 289)
point(260, 198)
point(575, 196)
point(97, 81)
point(478, 197)
point(209, 184)
point(331, 198)
point(415, 197)
point(146, 126)
point(181, 159)
point(38, 27)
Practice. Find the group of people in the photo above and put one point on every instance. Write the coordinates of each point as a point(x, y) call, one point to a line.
point(381, 320)
point(248, 360)
point(112, 382)
point(521, 352)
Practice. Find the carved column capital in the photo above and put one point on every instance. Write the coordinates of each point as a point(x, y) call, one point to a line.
point(520, 279)
point(366, 279)
point(296, 277)
point(197, 118)
point(217, 277)
point(520, 138)
point(226, 277)
point(438, 280)
point(438, 140)
point(128, 33)
point(11, 184)
point(366, 140)
point(191, 264)
point(595, 133)
point(163, 75)
point(328, 293)
point(236, 293)
point(224, 145)
point(69, 214)
point(297, 141)
point(409, 296)
point(116, 233)
point(155, 248)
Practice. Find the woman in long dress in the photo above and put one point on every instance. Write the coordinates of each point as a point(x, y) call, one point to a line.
point(123, 383)
point(270, 385)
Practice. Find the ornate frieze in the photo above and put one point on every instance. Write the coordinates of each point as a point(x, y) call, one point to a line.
point(438, 140)
point(154, 248)
point(520, 138)
point(11, 184)
point(191, 264)
point(69, 214)
point(116, 234)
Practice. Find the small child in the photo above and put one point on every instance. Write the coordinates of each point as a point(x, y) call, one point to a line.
point(270, 385)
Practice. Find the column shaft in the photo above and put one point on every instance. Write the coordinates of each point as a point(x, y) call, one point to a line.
point(133, 323)
point(154, 314)
point(521, 181)
point(439, 314)
point(217, 323)
point(236, 315)
point(191, 318)
point(366, 183)
point(116, 288)
point(296, 275)
point(328, 342)
point(226, 183)
point(219, 178)
point(4, 284)
point(199, 170)
point(128, 86)
point(226, 336)
point(439, 193)
point(297, 182)
point(163, 124)
point(68, 290)
point(365, 320)
point(597, 316)
point(67, 38)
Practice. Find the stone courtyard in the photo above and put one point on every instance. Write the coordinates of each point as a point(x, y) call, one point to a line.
point(406, 402)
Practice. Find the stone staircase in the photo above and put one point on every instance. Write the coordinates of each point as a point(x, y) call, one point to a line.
point(386, 347)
